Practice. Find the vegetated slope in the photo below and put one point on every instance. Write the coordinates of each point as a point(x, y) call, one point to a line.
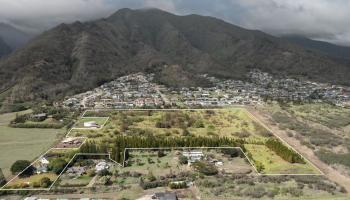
point(4, 48)
point(76, 57)
point(332, 50)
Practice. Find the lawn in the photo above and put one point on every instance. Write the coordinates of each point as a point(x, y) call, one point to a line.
point(273, 164)
point(6, 118)
point(24, 144)
point(74, 182)
point(146, 161)
point(32, 179)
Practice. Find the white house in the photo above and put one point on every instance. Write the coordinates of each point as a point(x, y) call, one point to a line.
point(101, 166)
point(193, 156)
point(44, 161)
point(91, 124)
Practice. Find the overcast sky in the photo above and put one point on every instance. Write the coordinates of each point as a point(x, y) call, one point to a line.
point(327, 20)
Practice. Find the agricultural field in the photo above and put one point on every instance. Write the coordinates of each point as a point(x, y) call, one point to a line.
point(233, 123)
point(24, 144)
point(274, 164)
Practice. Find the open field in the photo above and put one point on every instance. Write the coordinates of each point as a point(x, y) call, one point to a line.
point(6, 118)
point(232, 122)
point(29, 181)
point(273, 164)
point(24, 144)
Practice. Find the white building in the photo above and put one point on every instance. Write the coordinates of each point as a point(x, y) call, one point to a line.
point(101, 166)
point(91, 124)
point(193, 156)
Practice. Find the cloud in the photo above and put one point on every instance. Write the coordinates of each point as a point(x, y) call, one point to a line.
point(319, 19)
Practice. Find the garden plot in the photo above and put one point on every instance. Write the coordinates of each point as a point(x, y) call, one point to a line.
point(42, 173)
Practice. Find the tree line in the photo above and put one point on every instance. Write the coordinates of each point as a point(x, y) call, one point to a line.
point(284, 152)
point(116, 149)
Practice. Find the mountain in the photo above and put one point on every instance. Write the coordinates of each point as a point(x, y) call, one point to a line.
point(4, 48)
point(336, 51)
point(13, 37)
point(76, 57)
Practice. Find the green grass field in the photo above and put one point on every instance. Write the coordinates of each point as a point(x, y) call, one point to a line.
point(32, 179)
point(24, 144)
point(274, 164)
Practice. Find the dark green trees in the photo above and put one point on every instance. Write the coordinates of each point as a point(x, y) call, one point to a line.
point(284, 152)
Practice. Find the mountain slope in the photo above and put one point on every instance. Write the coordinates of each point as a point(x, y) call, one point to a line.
point(76, 57)
point(332, 50)
point(4, 48)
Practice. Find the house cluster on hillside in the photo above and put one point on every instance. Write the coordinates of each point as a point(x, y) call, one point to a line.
point(135, 90)
point(140, 91)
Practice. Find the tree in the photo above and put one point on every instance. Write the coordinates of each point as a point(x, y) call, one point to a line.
point(57, 165)
point(45, 182)
point(20, 165)
point(183, 160)
point(205, 168)
point(160, 153)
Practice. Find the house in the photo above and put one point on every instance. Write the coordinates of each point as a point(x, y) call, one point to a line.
point(40, 116)
point(193, 156)
point(165, 196)
point(101, 166)
point(44, 161)
point(91, 124)
point(76, 171)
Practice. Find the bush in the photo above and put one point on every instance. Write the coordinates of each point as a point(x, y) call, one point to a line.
point(205, 168)
point(232, 152)
point(57, 165)
point(104, 172)
point(178, 185)
point(45, 182)
point(183, 160)
point(20, 165)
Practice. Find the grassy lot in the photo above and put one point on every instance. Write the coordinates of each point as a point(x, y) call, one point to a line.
point(273, 164)
point(79, 181)
point(6, 118)
point(24, 144)
point(32, 179)
point(328, 115)
point(222, 188)
point(146, 161)
point(99, 120)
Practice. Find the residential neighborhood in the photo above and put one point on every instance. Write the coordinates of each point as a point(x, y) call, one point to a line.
point(141, 91)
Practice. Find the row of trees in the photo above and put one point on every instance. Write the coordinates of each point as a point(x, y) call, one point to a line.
point(116, 149)
point(284, 152)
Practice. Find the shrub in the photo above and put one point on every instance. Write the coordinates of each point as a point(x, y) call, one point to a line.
point(177, 185)
point(57, 165)
point(183, 160)
point(20, 165)
point(232, 152)
point(205, 168)
point(45, 182)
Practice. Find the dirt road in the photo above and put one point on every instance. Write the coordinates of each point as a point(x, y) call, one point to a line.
point(328, 171)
